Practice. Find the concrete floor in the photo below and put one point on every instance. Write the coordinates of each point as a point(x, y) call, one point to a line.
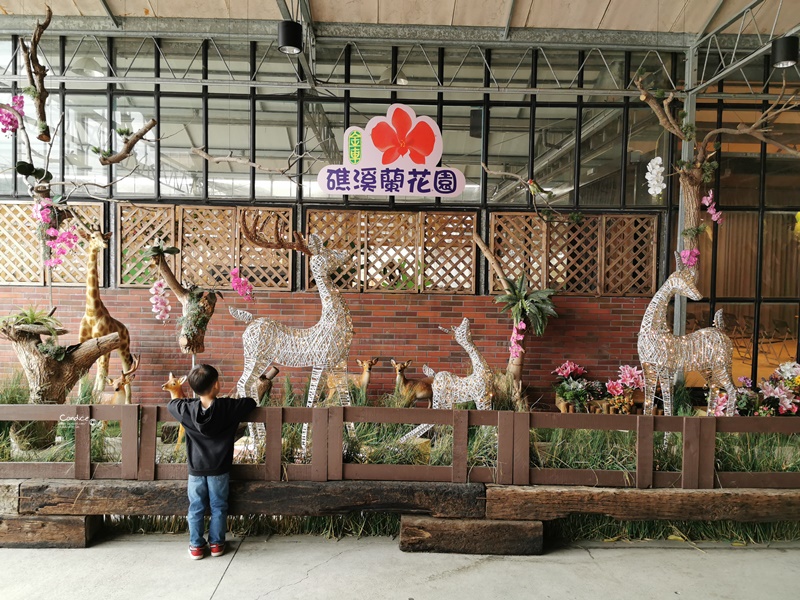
point(152, 567)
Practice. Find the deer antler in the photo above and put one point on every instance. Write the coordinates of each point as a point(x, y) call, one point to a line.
point(134, 367)
point(254, 234)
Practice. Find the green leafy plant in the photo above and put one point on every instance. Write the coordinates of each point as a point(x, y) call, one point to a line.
point(32, 316)
point(533, 306)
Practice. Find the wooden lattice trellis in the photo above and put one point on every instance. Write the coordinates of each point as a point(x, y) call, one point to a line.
point(72, 272)
point(207, 245)
point(139, 228)
point(265, 268)
point(401, 251)
point(604, 255)
point(20, 248)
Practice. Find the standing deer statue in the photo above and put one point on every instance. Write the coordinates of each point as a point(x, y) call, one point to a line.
point(449, 389)
point(708, 351)
point(360, 380)
point(120, 385)
point(412, 389)
point(174, 386)
point(324, 346)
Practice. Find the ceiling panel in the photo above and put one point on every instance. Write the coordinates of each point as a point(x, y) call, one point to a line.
point(344, 11)
point(636, 15)
point(480, 13)
point(567, 14)
point(416, 12)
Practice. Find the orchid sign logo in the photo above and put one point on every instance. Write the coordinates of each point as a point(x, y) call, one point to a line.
point(395, 155)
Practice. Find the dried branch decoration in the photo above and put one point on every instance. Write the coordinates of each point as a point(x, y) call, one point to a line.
point(36, 73)
point(128, 144)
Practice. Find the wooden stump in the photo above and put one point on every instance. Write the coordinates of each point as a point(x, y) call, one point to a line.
point(48, 532)
point(470, 536)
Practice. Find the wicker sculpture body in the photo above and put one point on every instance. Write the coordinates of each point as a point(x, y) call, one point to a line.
point(662, 354)
point(324, 347)
point(449, 389)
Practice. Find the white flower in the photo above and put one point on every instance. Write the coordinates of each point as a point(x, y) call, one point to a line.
point(655, 177)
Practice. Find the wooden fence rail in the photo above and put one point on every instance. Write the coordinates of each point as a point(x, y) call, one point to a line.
point(139, 445)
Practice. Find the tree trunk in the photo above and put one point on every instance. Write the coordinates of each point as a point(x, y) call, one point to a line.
point(50, 380)
point(691, 184)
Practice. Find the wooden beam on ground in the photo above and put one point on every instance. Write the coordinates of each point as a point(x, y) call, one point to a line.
point(544, 503)
point(300, 498)
point(470, 536)
point(9, 496)
point(48, 532)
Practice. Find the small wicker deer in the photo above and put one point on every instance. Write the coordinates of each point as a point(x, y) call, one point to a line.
point(449, 389)
point(662, 354)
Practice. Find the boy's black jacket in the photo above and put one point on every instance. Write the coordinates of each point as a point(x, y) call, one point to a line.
point(210, 437)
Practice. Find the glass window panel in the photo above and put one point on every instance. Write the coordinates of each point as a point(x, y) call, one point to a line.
point(557, 68)
point(276, 141)
point(368, 63)
point(738, 319)
point(229, 61)
point(554, 152)
point(780, 276)
point(85, 127)
point(779, 337)
point(275, 67)
point(180, 60)
point(86, 61)
point(601, 152)
point(181, 130)
point(740, 162)
point(509, 150)
point(604, 70)
point(229, 134)
point(464, 67)
point(6, 62)
point(646, 140)
point(134, 58)
point(139, 169)
point(462, 150)
point(655, 67)
point(417, 65)
point(330, 63)
point(512, 68)
point(747, 80)
point(783, 181)
point(6, 163)
point(737, 251)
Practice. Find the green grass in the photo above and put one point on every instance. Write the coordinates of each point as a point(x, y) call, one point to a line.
point(758, 452)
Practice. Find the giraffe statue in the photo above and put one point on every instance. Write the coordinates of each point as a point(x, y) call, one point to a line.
point(97, 321)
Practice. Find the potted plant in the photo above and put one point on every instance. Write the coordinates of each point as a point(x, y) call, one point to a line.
point(574, 393)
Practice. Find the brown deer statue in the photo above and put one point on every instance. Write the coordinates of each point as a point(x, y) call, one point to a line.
point(324, 346)
point(174, 386)
point(119, 396)
point(412, 389)
point(359, 380)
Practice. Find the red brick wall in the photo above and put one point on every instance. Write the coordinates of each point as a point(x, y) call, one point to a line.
point(598, 333)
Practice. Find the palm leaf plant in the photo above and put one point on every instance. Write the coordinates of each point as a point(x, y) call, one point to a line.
point(530, 310)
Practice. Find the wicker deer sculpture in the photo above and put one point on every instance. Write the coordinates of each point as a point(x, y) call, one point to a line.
point(449, 389)
point(662, 354)
point(324, 346)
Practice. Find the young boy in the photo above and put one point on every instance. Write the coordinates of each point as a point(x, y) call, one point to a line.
point(210, 425)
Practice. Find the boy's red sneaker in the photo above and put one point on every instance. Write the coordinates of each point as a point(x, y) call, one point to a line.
point(197, 553)
point(218, 549)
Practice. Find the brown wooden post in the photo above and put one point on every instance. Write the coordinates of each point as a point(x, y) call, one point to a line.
point(522, 448)
point(83, 442)
point(706, 462)
point(129, 426)
point(319, 444)
point(644, 451)
point(691, 453)
point(505, 447)
point(335, 442)
point(273, 446)
point(147, 443)
point(460, 442)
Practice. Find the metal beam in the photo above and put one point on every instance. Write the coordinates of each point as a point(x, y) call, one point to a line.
point(508, 20)
point(109, 13)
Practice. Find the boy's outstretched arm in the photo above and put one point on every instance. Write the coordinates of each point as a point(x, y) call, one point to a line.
point(177, 408)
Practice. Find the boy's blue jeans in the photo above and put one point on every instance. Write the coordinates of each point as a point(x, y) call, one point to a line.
point(208, 491)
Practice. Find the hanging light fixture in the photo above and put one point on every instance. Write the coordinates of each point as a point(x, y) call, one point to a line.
point(290, 37)
point(386, 77)
point(86, 66)
point(784, 51)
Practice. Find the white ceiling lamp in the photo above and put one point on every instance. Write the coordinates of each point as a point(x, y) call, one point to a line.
point(386, 77)
point(86, 66)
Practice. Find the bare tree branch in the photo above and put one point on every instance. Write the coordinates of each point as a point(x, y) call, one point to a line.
point(37, 73)
point(128, 145)
point(661, 111)
point(531, 184)
point(239, 160)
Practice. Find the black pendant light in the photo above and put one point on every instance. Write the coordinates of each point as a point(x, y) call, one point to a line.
point(784, 51)
point(290, 37)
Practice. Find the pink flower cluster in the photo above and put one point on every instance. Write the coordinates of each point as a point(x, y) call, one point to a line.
point(41, 210)
point(241, 285)
point(720, 405)
point(630, 378)
point(8, 121)
point(711, 207)
point(60, 243)
point(690, 257)
point(160, 302)
point(568, 369)
point(786, 398)
point(517, 336)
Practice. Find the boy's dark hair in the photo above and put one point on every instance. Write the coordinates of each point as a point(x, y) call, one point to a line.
point(202, 378)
